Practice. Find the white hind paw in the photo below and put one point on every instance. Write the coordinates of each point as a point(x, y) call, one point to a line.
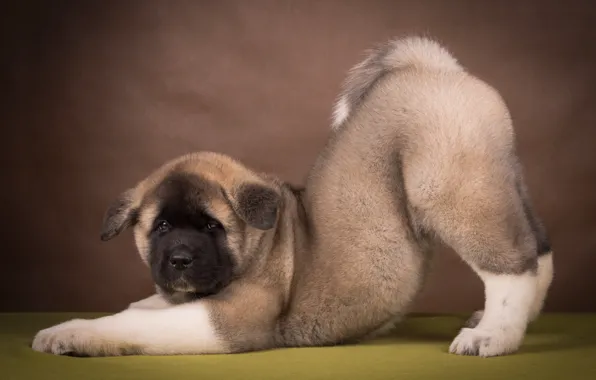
point(486, 343)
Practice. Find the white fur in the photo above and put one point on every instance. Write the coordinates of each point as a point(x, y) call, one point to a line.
point(152, 302)
point(508, 300)
point(181, 329)
point(545, 277)
point(420, 52)
point(341, 111)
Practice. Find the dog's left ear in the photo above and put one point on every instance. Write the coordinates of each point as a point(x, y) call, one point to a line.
point(119, 216)
point(257, 205)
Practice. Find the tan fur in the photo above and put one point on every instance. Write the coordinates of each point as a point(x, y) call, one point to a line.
point(423, 152)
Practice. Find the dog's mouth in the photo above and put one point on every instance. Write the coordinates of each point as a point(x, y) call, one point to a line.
point(181, 291)
point(187, 285)
point(182, 285)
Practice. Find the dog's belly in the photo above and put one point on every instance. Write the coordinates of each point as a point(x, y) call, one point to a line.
point(354, 295)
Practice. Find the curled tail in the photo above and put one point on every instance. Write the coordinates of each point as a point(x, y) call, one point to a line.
point(400, 53)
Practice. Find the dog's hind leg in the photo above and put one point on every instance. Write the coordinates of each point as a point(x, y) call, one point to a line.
point(484, 220)
point(545, 271)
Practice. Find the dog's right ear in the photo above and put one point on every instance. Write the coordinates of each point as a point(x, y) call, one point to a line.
point(119, 216)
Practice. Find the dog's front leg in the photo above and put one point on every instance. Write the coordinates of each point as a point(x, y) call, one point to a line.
point(156, 301)
point(180, 329)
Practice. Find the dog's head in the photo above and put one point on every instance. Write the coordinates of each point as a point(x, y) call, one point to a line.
point(198, 221)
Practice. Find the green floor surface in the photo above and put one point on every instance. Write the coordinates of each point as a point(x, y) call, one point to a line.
point(558, 346)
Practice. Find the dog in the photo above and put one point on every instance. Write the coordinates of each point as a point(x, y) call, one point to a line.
point(420, 151)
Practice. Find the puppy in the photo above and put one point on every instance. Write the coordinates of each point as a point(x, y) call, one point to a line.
point(421, 151)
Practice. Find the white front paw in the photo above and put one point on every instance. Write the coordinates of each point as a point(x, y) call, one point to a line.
point(485, 342)
point(63, 338)
point(80, 337)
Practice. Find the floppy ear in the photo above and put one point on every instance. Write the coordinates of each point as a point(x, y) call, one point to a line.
point(257, 205)
point(119, 216)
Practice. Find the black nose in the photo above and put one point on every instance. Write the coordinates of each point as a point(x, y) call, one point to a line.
point(181, 259)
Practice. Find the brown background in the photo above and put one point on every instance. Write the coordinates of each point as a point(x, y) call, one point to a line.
point(98, 93)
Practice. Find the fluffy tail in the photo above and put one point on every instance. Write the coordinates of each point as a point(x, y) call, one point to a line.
point(393, 55)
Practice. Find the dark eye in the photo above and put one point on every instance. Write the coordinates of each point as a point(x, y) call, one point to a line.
point(163, 226)
point(212, 225)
